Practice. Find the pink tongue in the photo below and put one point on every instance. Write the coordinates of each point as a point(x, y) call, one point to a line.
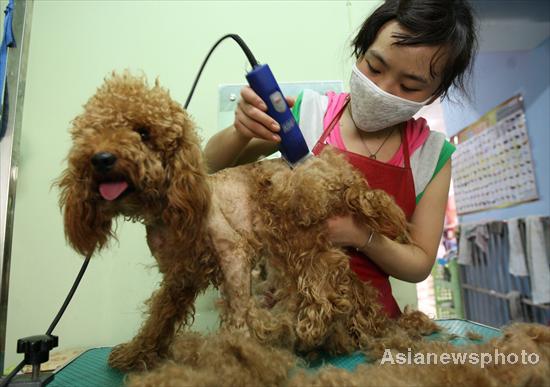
point(111, 191)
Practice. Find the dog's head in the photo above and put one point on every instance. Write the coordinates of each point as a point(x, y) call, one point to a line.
point(135, 153)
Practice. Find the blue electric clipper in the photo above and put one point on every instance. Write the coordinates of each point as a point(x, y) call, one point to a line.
point(293, 147)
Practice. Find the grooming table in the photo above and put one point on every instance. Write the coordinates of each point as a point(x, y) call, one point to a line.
point(91, 370)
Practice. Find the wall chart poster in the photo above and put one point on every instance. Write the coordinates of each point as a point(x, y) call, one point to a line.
point(492, 165)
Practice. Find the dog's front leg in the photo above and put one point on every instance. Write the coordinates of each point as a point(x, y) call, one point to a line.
point(172, 304)
point(235, 256)
point(235, 289)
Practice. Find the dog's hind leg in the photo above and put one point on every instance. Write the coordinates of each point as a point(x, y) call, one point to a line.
point(168, 307)
point(324, 287)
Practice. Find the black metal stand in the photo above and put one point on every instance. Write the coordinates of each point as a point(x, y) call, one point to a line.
point(37, 351)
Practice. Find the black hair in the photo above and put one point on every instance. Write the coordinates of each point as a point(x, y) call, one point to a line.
point(448, 23)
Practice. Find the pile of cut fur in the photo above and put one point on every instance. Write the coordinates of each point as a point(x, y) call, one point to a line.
point(233, 359)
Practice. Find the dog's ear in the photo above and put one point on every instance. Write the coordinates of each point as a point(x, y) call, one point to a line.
point(86, 229)
point(188, 192)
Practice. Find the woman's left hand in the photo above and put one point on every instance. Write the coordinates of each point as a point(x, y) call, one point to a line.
point(345, 231)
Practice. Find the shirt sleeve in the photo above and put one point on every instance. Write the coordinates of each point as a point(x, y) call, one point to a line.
point(445, 154)
point(297, 106)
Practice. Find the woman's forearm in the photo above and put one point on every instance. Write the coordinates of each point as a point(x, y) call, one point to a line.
point(224, 148)
point(406, 262)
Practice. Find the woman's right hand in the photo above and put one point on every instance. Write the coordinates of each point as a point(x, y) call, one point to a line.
point(251, 119)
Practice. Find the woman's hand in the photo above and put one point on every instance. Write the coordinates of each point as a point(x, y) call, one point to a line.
point(251, 119)
point(344, 231)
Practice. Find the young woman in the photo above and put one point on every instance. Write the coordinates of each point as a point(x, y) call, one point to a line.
point(408, 54)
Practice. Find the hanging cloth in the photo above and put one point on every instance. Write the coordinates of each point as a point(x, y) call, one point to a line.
point(7, 41)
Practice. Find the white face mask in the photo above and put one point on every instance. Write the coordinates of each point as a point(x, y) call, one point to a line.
point(373, 109)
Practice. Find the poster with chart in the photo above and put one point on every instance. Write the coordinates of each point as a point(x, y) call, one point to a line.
point(492, 165)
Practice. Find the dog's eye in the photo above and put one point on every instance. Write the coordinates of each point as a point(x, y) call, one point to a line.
point(143, 132)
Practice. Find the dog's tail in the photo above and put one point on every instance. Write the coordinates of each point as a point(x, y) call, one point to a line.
point(378, 210)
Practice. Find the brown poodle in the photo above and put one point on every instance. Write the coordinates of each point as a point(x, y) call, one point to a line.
point(136, 154)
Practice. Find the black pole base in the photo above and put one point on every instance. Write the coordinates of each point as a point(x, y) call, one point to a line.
point(26, 380)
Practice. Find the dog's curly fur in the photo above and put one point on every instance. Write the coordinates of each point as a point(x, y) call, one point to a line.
point(231, 359)
point(221, 358)
point(516, 338)
point(212, 229)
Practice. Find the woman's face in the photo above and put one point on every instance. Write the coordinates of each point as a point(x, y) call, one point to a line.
point(403, 71)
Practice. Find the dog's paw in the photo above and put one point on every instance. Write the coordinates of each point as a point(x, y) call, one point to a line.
point(130, 357)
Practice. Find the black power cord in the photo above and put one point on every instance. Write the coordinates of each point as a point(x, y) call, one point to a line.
point(247, 52)
point(10, 376)
point(48, 334)
point(70, 295)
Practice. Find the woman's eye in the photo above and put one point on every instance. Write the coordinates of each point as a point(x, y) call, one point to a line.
point(408, 89)
point(143, 133)
point(372, 69)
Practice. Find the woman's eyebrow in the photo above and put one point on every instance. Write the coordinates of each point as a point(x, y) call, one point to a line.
point(414, 77)
point(378, 56)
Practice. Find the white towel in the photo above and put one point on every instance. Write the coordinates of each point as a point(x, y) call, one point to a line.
point(537, 259)
point(517, 265)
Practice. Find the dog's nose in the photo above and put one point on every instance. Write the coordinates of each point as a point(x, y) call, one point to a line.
point(103, 161)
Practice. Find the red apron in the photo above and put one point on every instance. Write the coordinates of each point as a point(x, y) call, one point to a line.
point(396, 181)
